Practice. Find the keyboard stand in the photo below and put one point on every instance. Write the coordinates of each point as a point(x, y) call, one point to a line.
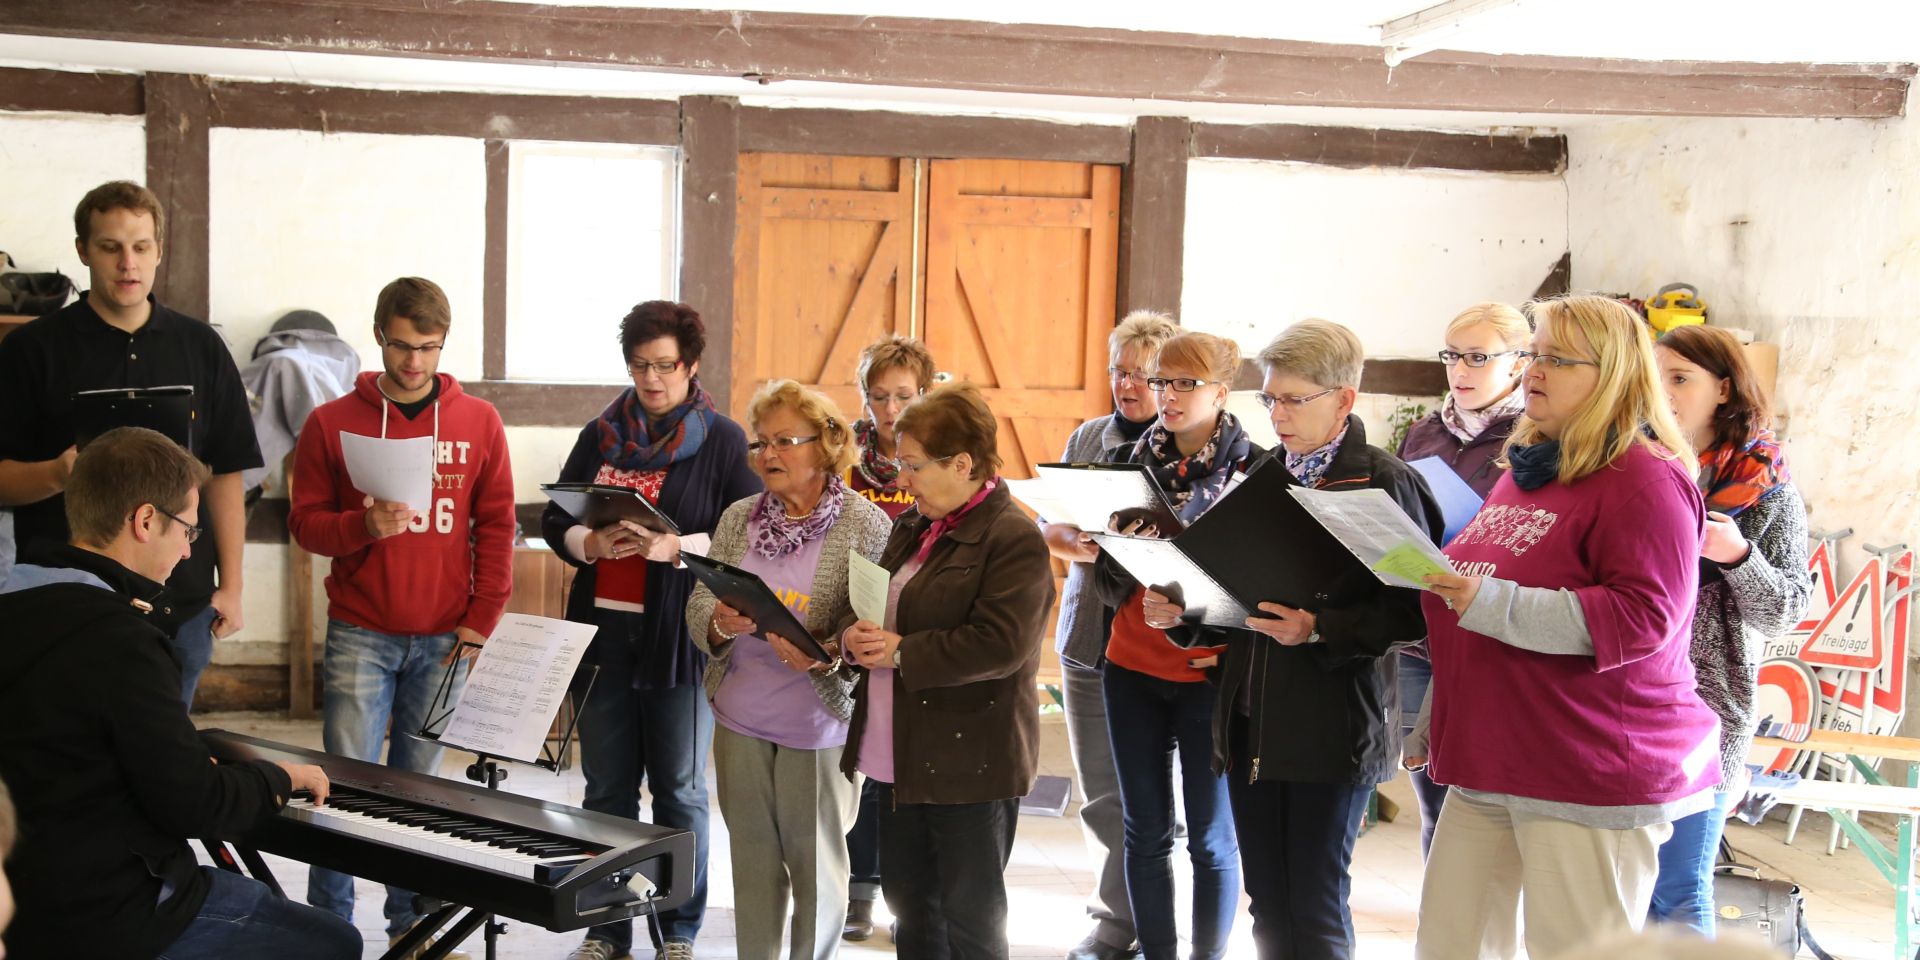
point(435, 914)
point(487, 771)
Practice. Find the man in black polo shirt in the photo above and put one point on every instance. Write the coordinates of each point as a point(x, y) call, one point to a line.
point(116, 335)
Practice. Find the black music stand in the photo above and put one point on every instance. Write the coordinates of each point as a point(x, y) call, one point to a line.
point(485, 769)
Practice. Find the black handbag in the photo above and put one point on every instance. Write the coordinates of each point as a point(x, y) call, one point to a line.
point(35, 294)
point(1773, 910)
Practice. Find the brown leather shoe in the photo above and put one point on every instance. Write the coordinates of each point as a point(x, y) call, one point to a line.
point(859, 921)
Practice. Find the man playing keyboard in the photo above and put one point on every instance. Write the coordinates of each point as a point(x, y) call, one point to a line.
point(108, 774)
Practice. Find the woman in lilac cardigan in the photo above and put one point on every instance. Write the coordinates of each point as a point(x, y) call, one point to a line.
point(1563, 710)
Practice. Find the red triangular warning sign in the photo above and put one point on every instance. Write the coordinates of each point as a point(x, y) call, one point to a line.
point(1850, 636)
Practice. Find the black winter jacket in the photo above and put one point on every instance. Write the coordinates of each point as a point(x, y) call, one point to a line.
point(109, 775)
point(1325, 712)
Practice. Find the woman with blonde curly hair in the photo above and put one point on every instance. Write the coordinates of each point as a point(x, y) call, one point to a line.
point(780, 718)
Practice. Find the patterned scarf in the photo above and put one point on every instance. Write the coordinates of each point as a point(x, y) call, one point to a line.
point(880, 471)
point(630, 442)
point(1468, 425)
point(775, 534)
point(1733, 479)
point(941, 527)
point(1311, 468)
point(1193, 482)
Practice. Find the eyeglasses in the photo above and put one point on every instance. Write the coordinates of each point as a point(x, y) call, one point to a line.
point(880, 399)
point(915, 468)
point(1179, 384)
point(425, 350)
point(779, 444)
point(1125, 377)
point(662, 367)
point(1451, 357)
point(1556, 363)
point(193, 530)
point(1291, 403)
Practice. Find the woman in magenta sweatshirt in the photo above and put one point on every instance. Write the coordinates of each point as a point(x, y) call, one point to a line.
point(1563, 710)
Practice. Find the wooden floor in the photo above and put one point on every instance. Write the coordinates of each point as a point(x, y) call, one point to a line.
point(1848, 906)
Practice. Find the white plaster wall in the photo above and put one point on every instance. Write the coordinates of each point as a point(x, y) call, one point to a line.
point(1808, 233)
point(1391, 253)
point(47, 163)
point(323, 221)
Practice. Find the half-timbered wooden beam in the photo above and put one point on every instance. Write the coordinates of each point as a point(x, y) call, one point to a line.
point(956, 54)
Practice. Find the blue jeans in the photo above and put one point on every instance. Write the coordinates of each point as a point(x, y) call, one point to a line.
point(1683, 892)
point(193, 645)
point(242, 918)
point(372, 678)
point(1147, 720)
point(1415, 676)
point(660, 737)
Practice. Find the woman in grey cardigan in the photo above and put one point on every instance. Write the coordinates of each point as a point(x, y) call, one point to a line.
point(781, 718)
point(1753, 581)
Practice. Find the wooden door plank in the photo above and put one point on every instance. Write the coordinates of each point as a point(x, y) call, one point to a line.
point(746, 282)
point(987, 315)
point(1103, 266)
point(1027, 212)
point(799, 203)
point(942, 277)
point(843, 357)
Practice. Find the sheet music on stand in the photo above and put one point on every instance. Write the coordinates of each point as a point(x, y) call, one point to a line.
point(516, 686)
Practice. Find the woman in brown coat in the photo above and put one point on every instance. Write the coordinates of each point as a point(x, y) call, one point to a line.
point(946, 717)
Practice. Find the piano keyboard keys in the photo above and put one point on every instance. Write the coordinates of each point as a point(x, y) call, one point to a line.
point(475, 844)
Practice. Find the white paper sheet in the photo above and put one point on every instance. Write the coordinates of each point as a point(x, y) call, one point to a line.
point(1371, 525)
point(397, 471)
point(1089, 497)
point(1034, 493)
point(867, 588)
point(516, 685)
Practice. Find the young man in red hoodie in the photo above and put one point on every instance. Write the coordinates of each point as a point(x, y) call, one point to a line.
point(406, 586)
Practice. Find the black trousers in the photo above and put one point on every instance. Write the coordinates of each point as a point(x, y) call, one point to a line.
point(1296, 846)
point(863, 845)
point(943, 871)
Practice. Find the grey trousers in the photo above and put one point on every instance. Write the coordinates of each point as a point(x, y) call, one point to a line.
point(787, 814)
point(1100, 820)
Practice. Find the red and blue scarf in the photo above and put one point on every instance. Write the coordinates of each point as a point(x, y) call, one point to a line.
point(631, 441)
point(1735, 478)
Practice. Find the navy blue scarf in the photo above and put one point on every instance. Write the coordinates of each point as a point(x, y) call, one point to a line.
point(1535, 465)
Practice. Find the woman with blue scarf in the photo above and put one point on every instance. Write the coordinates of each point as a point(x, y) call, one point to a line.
point(647, 719)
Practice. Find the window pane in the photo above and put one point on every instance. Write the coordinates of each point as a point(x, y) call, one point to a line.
point(591, 232)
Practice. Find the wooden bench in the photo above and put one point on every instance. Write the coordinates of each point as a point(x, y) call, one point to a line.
point(1842, 801)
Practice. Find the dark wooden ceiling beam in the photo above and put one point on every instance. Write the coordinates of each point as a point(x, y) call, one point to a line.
point(501, 116)
point(1010, 58)
point(65, 91)
point(886, 133)
point(1367, 147)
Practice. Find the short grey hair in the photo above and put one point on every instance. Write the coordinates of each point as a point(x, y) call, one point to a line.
point(1143, 330)
point(1318, 350)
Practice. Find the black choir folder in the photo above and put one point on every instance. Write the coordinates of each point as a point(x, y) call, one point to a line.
point(1257, 545)
point(168, 410)
point(754, 600)
point(596, 505)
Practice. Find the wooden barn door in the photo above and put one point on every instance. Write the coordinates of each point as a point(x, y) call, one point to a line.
point(1021, 266)
point(824, 264)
